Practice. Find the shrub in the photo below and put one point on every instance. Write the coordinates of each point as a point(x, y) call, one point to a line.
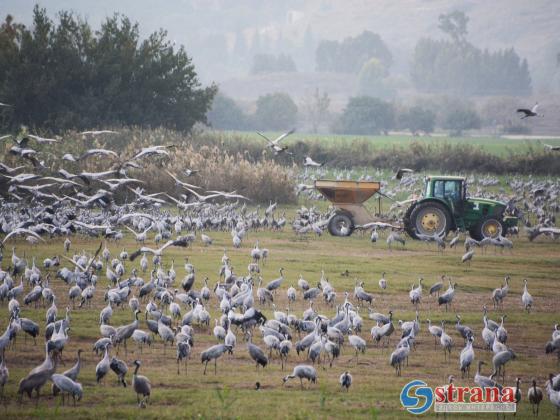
point(418, 119)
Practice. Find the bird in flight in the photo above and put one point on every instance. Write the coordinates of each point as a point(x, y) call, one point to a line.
point(402, 171)
point(552, 148)
point(97, 132)
point(530, 112)
point(310, 162)
point(274, 144)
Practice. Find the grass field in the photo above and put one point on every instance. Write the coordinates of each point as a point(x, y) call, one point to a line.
point(494, 145)
point(376, 389)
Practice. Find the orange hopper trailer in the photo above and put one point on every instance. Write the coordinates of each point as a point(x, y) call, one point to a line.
point(348, 198)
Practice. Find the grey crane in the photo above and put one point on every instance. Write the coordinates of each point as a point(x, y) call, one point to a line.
point(466, 358)
point(345, 380)
point(526, 297)
point(395, 237)
point(464, 330)
point(499, 294)
point(302, 372)
point(257, 354)
point(436, 287)
point(553, 395)
point(361, 295)
point(276, 283)
point(104, 365)
point(71, 373)
point(435, 331)
point(398, 356)
point(467, 257)
point(446, 341)
point(120, 368)
point(499, 362)
point(484, 381)
point(124, 332)
point(382, 282)
point(447, 297)
point(213, 353)
point(35, 380)
point(4, 375)
point(66, 385)
point(165, 333)
point(535, 396)
point(183, 353)
point(501, 332)
point(141, 386)
point(358, 343)
point(387, 329)
point(415, 293)
point(30, 328)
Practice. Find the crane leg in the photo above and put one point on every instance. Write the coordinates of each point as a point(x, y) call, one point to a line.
point(215, 366)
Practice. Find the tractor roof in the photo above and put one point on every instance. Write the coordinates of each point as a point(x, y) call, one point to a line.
point(445, 178)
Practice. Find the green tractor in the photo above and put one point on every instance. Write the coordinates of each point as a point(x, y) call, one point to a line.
point(445, 206)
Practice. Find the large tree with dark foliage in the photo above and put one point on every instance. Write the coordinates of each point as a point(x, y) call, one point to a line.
point(66, 75)
point(455, 66)
point(366, 115)
point(350, 55)
point(275, 111)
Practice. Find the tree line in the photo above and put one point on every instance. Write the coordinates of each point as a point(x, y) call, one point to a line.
point(457, 67)
point(65, 74)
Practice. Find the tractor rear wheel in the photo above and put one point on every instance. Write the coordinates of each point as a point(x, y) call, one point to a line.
point(489, 227)
point(341, 224)
point(430, 218)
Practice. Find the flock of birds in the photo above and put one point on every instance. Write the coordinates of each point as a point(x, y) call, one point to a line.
point(165, 309)
point(174, 312)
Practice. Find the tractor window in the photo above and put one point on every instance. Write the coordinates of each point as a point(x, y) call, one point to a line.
point(438, 189)
point(447, 189)
point(452, 190)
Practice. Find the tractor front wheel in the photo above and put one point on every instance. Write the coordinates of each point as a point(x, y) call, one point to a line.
point(430, 219)
point(341, 224)
point(489, 227)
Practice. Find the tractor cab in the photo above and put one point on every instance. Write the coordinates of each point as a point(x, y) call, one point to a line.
point(452, 190)
point(447, 188)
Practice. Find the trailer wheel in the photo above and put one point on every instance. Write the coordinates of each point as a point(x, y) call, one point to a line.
point(489, 227)
point(341, 224)
point(430, 218)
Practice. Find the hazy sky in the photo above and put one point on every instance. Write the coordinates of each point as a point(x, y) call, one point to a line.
point(529, 26)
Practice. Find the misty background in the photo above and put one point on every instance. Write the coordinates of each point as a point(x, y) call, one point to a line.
point(319, 54)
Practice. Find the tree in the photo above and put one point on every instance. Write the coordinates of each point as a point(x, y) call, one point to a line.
point(418, 119)
point(454, 24)
point(350, 55)
point(366, 115)
point(226, 114)
point(459, 118)
point(276, 111)
point(64, 75)
point(316, 108)
point(371, 79)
